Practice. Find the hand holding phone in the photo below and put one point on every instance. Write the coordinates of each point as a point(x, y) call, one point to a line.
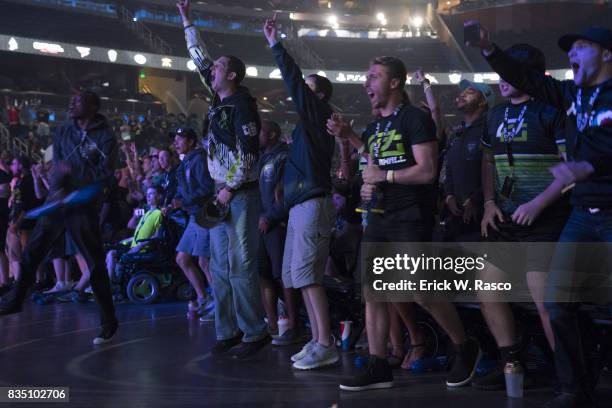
point(471, 33)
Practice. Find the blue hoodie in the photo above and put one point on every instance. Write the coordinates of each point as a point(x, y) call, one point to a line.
point(308, 168)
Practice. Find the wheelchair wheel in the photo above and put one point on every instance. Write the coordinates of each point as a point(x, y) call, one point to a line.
point(185, 292)
point(142, 289)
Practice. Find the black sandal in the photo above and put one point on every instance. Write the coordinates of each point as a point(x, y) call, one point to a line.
point(395, 361)
point(412, 347)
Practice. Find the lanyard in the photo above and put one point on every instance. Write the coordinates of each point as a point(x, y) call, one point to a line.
point(378, 141)
point(583, 117)
point(508, 135)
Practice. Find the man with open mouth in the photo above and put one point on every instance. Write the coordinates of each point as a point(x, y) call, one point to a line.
point(587, 100)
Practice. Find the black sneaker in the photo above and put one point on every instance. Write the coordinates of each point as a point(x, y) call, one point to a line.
point(5, 289)
point(376, 375)
point(288, 338)
point(223, 346)
point(495, 380)
point(246, 350)
point(464, 366)
point(571, 400)
point(10, 304)
point(106, 334)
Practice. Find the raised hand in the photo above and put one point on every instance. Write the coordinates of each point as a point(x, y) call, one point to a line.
point(484, 43)
point(183, 7)
point(419, 76)
point(270, 30)
point(338, 126)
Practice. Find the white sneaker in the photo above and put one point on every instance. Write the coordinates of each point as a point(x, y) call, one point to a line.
point(305, 350)
point(318, 357)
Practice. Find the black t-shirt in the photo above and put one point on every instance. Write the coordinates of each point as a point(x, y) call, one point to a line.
point(390, 140)
point(5, 178)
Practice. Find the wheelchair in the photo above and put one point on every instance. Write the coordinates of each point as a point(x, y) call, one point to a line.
point(153, 275)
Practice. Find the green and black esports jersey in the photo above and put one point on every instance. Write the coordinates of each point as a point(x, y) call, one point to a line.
point(389, 140)
point(533, 149)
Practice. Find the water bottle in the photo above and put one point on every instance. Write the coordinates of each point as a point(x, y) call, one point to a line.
point(515, 376)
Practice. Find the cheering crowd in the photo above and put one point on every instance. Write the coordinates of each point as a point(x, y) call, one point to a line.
point(535, 167)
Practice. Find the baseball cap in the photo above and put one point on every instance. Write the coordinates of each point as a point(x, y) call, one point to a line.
point(186, 132)
point(484, 89)
point(528, 55)
point(598, 35)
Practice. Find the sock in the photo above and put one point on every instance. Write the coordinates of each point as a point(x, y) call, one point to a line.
point(510, 354)
point(201, 301)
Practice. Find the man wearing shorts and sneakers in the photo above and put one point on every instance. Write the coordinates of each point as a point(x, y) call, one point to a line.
point(524, 138)
point(403, 154)
point(194, 187)
point(307, 193)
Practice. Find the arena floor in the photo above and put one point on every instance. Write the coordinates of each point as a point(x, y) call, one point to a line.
point(160, 359)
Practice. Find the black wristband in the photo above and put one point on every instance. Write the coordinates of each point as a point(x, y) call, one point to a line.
point(189, 26)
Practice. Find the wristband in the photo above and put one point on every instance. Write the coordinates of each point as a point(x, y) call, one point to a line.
point(390, 176)
point(188, 26)
point(490, 200)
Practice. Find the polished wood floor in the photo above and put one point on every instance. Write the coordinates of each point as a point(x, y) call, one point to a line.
point(160, 359)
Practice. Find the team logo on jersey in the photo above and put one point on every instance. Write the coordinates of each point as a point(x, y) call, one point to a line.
point(250, 129)
point(521, 137)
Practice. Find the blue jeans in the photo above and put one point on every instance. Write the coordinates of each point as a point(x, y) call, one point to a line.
point(233, 266)
point(571, 349)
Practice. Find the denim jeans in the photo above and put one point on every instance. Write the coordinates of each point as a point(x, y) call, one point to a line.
point(571, 349)
point(233, 266)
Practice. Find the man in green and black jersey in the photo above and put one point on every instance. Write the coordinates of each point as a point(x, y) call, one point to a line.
point(402, 150)
point(523, 201)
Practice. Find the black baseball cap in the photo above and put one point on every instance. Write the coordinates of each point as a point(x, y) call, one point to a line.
point(598, 35)
point(185, 132)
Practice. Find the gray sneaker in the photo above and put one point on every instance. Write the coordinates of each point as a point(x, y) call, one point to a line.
point(318, 357)
point(305, 350)
point(208, 317)
point(288, 338)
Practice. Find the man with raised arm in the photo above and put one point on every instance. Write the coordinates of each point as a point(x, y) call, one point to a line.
point(307, 194)
point(587, 100)
point(232, 125)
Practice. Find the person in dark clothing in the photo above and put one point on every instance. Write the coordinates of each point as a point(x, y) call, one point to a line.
point(307, 192)
point(194, 187)
point(232, 129)
point(587, 100)
point(168, 179)
point(523, 139)
point(23, 199)
point(84, 152)
point(462, 188)
point(273, 229)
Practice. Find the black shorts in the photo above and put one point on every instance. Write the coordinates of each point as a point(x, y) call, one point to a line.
point(547, 228)
point(411, 224)
point(270, 253)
